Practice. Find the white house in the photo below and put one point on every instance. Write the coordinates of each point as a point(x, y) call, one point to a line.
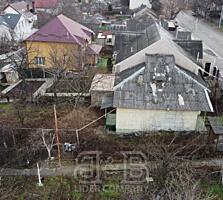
point(133, 4)
point(106, 38)
point(19, 26)
point(24, 26)
point(5, 33)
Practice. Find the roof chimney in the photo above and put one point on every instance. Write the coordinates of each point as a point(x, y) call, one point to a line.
point(27, 6)
point(33, 6)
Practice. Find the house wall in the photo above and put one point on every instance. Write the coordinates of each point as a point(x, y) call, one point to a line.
point(91, 60)
point(23, 28)
point(161, 47)
point(5, 33)
point(130, 120)
point(209, 59)
point(52, 50)
point(137, 3)
point(96, 97)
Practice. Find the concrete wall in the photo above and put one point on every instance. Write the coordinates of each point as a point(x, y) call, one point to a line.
point(130, 120)
point(161, 47)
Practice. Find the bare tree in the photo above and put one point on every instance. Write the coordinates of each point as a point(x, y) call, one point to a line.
point(48, 141)
point(70, 71)
point(202, 7)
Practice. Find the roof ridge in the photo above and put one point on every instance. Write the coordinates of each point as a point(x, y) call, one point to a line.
point(73, 36)
point(190, 77)
point(129, 78)
point(81, 27)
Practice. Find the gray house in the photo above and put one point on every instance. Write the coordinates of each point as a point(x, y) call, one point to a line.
point(154, 40)
point(158, 95)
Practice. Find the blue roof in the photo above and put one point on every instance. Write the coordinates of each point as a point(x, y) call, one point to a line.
point(10, 19)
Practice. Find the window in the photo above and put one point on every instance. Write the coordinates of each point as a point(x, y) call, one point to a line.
point(40, 60)
point(109, 40)
point(207, 69)
point(214, 71)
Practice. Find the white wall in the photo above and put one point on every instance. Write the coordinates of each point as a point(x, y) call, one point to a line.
point(5, 32)
point(130, 120)
point(137, 3)
point(23, 28)
point(162, 47)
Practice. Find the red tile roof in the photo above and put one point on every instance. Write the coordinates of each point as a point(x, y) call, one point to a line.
point(62, 29)
point(46, 3)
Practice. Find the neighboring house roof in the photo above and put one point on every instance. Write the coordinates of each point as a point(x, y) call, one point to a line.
point(193, 47)
point(161, 85)
point(46, 4)
point(150, 36)
point(136, 25)
point(155, 39)
point(11, 19)
point(3, 22)
point(20, 6)
point(103, 83)
point(62, 29)
point(106, 33)
point(124, 38)
point(94, 49)
point(183, 35)
point(145, 13)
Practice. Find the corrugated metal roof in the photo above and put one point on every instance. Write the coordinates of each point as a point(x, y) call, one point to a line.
point(62, 29)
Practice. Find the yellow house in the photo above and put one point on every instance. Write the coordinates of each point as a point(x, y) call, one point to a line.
point(62, 43)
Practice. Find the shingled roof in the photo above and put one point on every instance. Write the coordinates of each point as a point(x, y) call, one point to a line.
point(138, 42)
point(62, 29)
point(11, 19)
point(161, 85)
point(46, 4)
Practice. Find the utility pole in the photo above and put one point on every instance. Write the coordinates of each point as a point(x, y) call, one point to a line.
point(57, 134)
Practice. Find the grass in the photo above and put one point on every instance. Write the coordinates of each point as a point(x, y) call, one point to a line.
point(214, 189)
point(102, 63)
point(77, 195)
point(5, 106)
point(109, 192)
